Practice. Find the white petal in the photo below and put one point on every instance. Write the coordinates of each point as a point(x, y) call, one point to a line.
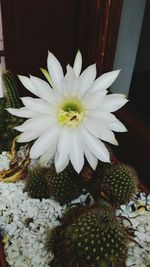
point(77, 64)
point(38, 105)
point(40, 123)
point(27, 84)
point(22, 112)
point(117, 126)
point(86, 79)
point(76, 152)
point(105, 81)
point(93, 101)
point(104, 116)
point(63, 149)
point(28, 136)
point(101, 131)
point(44, 141)
point(95, 146)
point(49, 153)
point(113, 102)
point(92, 160)
point(43, 89)
point(55, 70)
point(69, 82)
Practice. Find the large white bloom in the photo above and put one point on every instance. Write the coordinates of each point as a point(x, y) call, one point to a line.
point(70, 120)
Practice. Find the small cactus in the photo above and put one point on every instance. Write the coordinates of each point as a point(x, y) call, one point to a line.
point(65, 186)
point(36, 183)
point(11, 92)
point(118, 183)
point(8, 121)
point(93, 238)
point(44, 182)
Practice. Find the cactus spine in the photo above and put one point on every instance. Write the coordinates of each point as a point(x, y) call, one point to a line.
point(91, 238)
point(11, 93)
point(8, 121)
point(118, 182)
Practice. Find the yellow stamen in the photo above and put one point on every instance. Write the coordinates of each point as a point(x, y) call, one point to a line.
point(71, 113)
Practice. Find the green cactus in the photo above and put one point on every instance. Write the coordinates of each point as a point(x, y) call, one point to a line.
point(7, 133)
point(102, 165)
point(88, 175)
point(11, 91)
point(93, 238)
point(45, 183)
point(36, 183)
point(3, 114)
point(8, 121)
point(65, 186)
point(118, 183)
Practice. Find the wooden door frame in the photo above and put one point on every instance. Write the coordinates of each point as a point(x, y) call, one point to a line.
point(99, 22)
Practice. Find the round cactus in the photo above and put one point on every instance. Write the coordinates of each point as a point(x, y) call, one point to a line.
point(118, 183)
point(44, 182)
point(64, 186)
point(36, 183)
point(93, 238)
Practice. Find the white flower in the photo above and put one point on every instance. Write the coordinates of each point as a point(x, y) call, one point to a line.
point(70, 120)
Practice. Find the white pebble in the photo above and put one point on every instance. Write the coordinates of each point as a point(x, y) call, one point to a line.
point(148, 238)
point(141, 236)
point(26, 221)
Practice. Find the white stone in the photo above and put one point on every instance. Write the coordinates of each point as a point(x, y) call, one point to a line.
point(36, 260)
point(27, 241)
point(132, 215)
point(140, 235)
point(135, 222)
point(123, 207)
point(147, 238)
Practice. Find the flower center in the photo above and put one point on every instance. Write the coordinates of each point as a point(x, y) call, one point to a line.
point(71, 113)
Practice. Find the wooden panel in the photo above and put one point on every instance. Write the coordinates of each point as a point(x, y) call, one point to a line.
point(63, 26)
point(32, 27)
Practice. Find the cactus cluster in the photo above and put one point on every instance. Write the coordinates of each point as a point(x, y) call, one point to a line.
point(45, 183)
point(8, 121)
point(92, 237)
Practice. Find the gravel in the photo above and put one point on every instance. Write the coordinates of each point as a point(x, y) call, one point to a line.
point(138, 212)
point(24, 223)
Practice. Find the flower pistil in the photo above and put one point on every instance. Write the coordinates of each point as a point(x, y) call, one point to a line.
point(71, 113)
